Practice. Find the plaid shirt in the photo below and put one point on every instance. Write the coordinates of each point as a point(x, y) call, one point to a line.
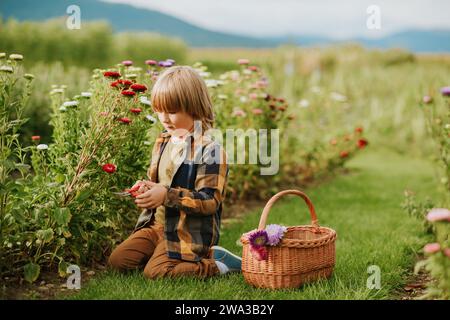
point(194, 201)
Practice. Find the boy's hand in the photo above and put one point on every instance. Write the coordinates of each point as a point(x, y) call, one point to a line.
point(152, 198)
point(140, 187)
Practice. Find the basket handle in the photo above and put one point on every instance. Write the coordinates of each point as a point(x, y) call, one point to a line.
point(269, 204)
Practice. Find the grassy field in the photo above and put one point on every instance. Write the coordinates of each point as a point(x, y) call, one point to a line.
point(363, 206)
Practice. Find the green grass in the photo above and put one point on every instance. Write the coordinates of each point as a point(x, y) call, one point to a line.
point(362, 206)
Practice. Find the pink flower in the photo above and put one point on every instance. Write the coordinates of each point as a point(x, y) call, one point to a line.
point(151, 62)
point(243, 61)
point(239, 113)
point(427, 99)
point(260, 253)
point(253, 96)
point(447, 252)
point(257, 111)
point(104, 113)
point(432, 248)
point(127, 63)
point(438, 214)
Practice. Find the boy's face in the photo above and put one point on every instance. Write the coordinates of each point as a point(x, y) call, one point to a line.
point(176, 121)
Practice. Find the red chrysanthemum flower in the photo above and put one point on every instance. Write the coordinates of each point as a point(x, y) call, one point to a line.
point(362, 143)
point(109, 168)
point(35, 138)
point(138, 87)
point(260, 253)
point(128, 93)
point(359, 129)
point(136, 110)
point(125, 120)
point(344, 154)
point(111, 74)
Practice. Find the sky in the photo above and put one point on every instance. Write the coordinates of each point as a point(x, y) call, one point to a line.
point(337, 19)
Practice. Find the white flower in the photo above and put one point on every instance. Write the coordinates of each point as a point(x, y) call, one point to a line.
point(222, 96)
point(55, 91)
point(15, 56)
point(204, 74)
point(144, 100)
point(338, 97)
point(315, 89)
point(62, 109)
point(8, 69)
point(303, 103)
point(86, 94)
point(2, 55)
point(42, 147)
point(243, 99)
point(150, 118)
point(131, 76)
point(246, 71)
point(210, 83)
point(70, 104)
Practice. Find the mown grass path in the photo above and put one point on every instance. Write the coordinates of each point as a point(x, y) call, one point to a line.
point(363, 206)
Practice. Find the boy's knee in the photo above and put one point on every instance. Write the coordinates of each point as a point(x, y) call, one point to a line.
point(116, 261)
point(151, 272)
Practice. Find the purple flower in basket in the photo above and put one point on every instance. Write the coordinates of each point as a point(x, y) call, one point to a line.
point(275, 233)
point(258, 238)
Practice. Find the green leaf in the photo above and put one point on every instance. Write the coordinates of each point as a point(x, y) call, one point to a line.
point(45, 235)
point(83, 195)
point(31, 272)
point(62, 216)
point(62, 268)
point(60, 178)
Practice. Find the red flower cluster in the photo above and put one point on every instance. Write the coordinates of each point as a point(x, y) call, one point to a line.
point(109, 168)
point(138, 87)
point(35, 138)
point(362, 143)
point(121, 83)
point(111, 74)
point(344, 154)
point(136, 110)
point(125, 120)
point(128, 93)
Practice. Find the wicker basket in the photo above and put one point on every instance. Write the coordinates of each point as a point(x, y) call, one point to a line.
point(305, 254)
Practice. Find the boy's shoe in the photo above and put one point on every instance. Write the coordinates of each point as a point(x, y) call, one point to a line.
point(230, 260)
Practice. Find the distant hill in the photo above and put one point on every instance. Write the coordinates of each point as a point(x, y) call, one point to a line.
point(124, 17)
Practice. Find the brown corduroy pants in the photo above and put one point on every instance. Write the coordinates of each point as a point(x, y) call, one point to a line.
point(146, 249)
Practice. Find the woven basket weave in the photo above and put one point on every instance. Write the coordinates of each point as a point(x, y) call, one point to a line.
point(305, 254)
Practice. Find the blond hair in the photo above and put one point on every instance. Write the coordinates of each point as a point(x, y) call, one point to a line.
point(180, 88)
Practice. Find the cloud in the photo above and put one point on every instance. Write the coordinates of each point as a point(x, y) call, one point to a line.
point(338, 19)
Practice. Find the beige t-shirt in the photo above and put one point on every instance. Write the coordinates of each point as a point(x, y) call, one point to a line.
point(166, 170)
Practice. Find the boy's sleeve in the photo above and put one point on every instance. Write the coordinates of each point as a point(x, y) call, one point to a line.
point(209, 185)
